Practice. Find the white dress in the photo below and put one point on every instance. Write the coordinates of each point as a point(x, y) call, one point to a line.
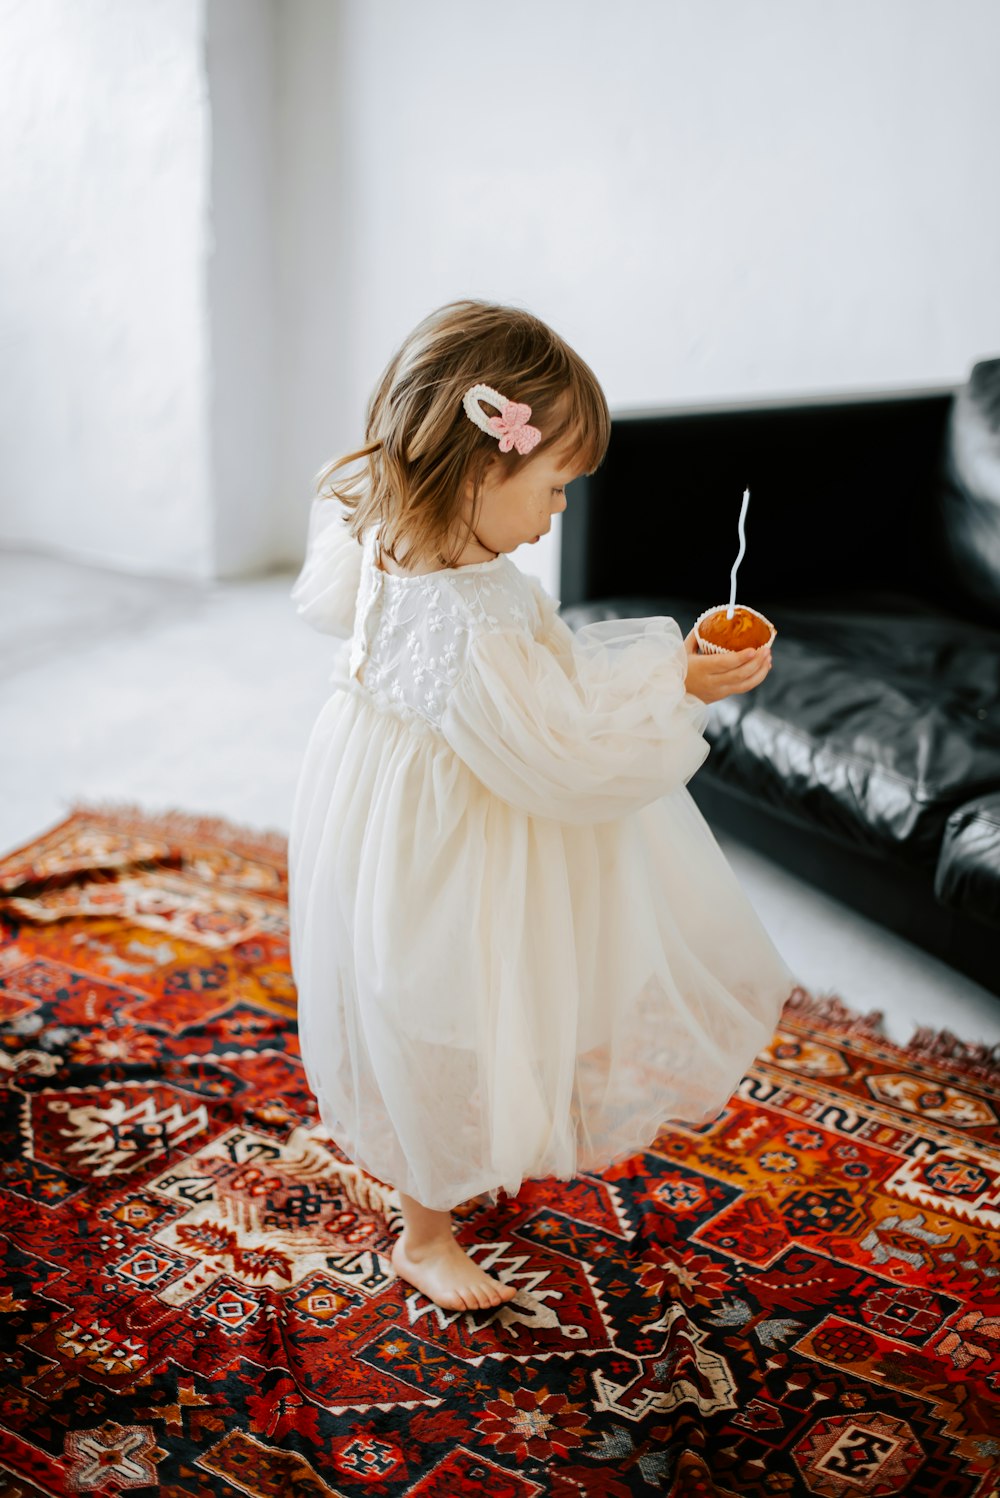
point(518, 948)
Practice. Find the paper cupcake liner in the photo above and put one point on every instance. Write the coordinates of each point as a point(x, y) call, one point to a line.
point(707, 647)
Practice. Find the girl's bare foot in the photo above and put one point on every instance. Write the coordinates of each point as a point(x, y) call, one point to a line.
point(443, 1271)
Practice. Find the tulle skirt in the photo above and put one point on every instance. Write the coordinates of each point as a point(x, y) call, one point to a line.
point(486, 996)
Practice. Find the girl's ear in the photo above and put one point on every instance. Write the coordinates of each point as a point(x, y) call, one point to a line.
point(492, 474)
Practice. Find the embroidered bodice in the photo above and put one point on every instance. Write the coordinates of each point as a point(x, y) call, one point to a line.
point(576, 725)
point(411, 633)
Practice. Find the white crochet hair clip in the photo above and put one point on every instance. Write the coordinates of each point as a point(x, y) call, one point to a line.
point(511, 426)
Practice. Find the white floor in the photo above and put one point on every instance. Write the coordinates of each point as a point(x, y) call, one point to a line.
point(180, 696)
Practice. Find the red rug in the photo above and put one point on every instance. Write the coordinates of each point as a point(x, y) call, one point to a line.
point(802, 1297)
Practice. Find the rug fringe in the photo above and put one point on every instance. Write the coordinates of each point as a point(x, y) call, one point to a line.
point(979, 1060)
point(828, 1008)
point(131, 816)
point(942, 1045)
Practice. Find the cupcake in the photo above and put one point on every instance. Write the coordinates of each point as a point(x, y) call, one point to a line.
point(716, 633)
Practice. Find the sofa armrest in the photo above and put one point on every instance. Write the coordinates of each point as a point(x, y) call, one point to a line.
point(968, 870)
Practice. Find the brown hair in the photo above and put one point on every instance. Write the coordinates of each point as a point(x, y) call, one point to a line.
point(421, 447)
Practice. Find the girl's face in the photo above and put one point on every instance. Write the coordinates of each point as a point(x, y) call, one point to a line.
point(520, 509)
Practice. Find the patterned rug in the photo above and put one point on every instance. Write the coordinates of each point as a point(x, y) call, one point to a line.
point(801, 1297)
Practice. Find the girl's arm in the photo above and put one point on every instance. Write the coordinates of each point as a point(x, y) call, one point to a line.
point(581, 726)
point(326, 589)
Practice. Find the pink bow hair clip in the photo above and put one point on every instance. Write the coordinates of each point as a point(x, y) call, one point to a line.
point(511, 426)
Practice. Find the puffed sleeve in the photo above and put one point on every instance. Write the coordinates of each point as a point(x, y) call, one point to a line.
point(325, 590)
point(579, 726)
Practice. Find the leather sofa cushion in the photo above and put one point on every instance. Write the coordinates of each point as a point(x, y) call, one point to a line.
point(875, 722)
point(968, 873)
point(969, 491)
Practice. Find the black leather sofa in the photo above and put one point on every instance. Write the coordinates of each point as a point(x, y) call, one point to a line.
point(868, 760)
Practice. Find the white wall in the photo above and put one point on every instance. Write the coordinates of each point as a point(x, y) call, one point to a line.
point(709, 201)
point(137, 283)
point(221, 217)
point(317, 387)
point(243, 416)
point(104, 135)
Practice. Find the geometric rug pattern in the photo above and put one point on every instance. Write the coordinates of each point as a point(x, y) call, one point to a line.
point(801, 1297)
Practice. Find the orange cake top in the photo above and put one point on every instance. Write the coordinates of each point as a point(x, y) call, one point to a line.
point(738, 633)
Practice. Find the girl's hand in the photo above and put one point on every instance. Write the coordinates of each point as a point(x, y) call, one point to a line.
point(712, 677)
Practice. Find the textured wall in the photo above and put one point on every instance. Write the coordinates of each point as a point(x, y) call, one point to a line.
point(243, 416)
point(316, 399)
point(104, 444)
point(222, 215)
point(710, 201)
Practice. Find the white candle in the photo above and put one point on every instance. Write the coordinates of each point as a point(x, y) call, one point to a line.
point(743, 547)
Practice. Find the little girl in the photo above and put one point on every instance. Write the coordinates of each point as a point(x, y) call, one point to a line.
point(519, 949)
